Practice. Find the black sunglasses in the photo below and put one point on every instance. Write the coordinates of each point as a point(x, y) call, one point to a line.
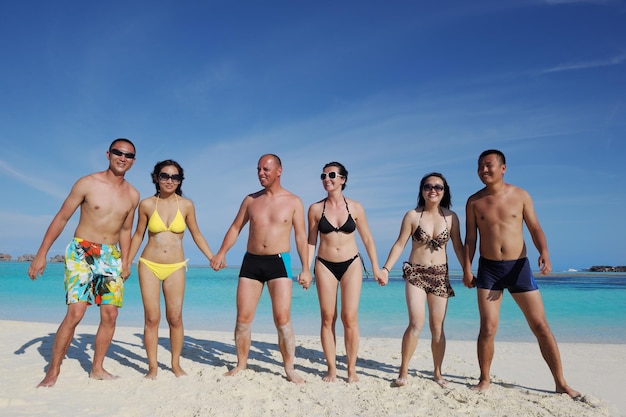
point(176, 178)
point(117, 152)
point(332, 175)
point(436, 187)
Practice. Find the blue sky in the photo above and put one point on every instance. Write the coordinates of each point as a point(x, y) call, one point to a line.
point(392, 89)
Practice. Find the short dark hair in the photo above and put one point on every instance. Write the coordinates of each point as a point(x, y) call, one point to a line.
point(493, 152)
point(446, 200)
point(342, 171)
point(157, 170)
point(122, 140)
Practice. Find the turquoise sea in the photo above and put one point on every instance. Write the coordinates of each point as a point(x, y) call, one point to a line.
point(581, 307)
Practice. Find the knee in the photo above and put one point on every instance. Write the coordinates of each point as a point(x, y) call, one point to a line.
point(349, 320)
point(175, 320)
point(109, 316)
point(281, 320)
point(152, 320)
point(74, 317)
point(540, 329)
point(329, 318)
point(437, 332)
point(487, 330)
point(414, 328)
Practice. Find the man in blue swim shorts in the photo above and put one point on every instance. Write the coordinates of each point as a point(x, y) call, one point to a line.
point(498, 213)
point(97, 260)
point(516, 275)
point(272, 212)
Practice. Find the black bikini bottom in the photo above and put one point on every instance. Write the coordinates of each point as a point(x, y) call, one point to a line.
point(338, 268)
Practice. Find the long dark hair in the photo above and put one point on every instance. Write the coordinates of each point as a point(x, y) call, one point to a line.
point(157, 170)
point(446, 200)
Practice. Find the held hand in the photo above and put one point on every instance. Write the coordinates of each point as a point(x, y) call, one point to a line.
point(218, 262)
point(304, 279)
point(382, 276)
point(469, 280)
point(125, 273)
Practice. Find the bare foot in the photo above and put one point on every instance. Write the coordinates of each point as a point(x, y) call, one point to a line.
point(330, 377)
point(178, 372)
point(152, 374)
point(399, 382)
point(49, 380)
point(294, 377)
point(575, 395)
point(353, 378)
point(234, 371)
point(442, 382)
point(102, 375)
point(482, 386)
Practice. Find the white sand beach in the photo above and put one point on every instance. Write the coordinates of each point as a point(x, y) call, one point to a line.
point(522, 384)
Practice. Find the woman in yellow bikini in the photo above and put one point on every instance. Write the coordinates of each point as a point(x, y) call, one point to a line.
point(165, 215)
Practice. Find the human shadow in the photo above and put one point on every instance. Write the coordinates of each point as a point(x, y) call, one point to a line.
point(79, 349)
point(365, 366)
point(462, 380)
point(202, 351)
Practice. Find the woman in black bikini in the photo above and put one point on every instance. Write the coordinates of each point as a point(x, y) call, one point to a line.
point(429, 226)
point(339, 264)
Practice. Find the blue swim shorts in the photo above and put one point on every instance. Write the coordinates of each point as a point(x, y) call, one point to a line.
point(516, 275)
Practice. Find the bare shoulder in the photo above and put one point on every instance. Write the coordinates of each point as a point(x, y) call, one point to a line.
point(293, 199)
point(476, 196)
point(133, 192)
point(317, 206)
point(185, 202)
point(514, 189)
point(354, 204)
point(148, 201)
point(447, 212)
point(92, 178)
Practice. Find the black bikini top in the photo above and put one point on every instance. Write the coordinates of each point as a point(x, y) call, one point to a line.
point(325, 227)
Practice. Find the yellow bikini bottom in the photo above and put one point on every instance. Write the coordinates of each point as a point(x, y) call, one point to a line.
point(162, 271)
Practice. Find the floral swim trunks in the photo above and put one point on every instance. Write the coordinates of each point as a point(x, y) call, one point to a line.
point(93, 273)
point(432, 279)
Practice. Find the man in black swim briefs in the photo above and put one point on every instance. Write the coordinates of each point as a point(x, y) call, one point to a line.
point(272, 212)
point(498, 212)
point(263, 268)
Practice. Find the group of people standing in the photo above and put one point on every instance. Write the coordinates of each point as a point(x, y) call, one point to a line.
point(98, 261)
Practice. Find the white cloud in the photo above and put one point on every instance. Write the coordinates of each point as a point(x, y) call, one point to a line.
point(616, 60)
point(34, 182)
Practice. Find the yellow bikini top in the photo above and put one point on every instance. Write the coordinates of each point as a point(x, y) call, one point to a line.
point(156, 224)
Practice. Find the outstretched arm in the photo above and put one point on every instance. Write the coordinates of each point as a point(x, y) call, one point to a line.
point(69, 206)
point(406, 230)
point(313, 233)
point(537, 235)
point(196, 234)
point(219, 259)
point(125, 240)
point(470, 245)
point(455, 235)
point(302, 245)
point(368, 242)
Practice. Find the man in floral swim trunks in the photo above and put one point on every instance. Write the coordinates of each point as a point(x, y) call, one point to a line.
point(97, 259)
